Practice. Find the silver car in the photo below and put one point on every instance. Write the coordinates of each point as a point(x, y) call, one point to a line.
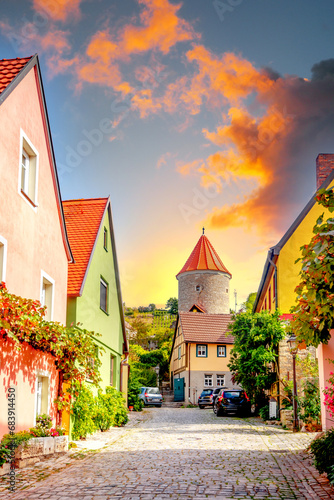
point(151, 396)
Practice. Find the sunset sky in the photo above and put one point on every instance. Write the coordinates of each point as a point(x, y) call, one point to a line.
point(187, 114)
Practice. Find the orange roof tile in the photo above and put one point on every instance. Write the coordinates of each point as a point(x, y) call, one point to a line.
point(206, 328)
point(204, 257)
point(83, 219)
point(9, 69)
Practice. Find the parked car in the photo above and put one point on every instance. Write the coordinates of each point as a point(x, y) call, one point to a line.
point(232, 401)
point(151, 396)
point(208, 397)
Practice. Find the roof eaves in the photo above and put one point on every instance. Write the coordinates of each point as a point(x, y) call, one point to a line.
point(53, 161)
point(118, 282)
point(277, 248)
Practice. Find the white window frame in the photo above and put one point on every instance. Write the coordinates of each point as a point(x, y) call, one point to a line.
point(45, 375)
point(200, 350)
point(25, 146)
point(51, 281)
point(224, 349)
point(220, 377)
point(3, 261)
point(179, 352)
point(208, 377)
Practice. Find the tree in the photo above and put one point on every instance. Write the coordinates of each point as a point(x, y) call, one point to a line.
point(141, 331)
point(151, 307)
point(314, 313)
point(247, 306)
point(172, 305)
point(256, 337)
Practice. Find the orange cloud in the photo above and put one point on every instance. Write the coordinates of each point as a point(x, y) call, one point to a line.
point(59, 10)
point(161, 28)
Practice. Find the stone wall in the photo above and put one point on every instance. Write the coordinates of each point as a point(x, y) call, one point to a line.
point(38, 448)
point(213, 295)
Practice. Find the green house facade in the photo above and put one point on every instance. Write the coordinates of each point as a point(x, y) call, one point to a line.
point(94, 293)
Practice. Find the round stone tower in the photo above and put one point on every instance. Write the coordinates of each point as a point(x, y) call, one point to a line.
point(204, 281)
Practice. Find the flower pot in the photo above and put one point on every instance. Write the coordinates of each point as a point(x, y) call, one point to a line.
point(130, 408)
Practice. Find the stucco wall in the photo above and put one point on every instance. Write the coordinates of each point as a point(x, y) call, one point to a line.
point(19, 369)
point(214, 295)
point(325, 352)
point(34, 238)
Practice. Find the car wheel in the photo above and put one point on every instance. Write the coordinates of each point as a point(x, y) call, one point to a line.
point(158, 406)
point(219, 413)
point(214, 409)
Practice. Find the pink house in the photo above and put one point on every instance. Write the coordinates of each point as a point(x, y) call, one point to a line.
point(34, 249)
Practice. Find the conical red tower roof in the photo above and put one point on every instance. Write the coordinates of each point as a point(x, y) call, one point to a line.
point(204, 258)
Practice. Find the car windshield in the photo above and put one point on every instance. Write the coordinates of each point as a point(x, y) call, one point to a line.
point(231, 395)
point(153, 390)
point(206, 392)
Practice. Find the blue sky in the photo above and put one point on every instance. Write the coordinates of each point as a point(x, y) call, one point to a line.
point(185, 113)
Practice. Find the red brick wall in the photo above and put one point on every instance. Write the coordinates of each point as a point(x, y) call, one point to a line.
point(324, 166)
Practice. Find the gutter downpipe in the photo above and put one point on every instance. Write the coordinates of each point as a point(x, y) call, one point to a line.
point(275, 267)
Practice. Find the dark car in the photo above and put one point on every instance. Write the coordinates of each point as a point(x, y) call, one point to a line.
point(208, 397)
point(232, 401)
point(151, 396)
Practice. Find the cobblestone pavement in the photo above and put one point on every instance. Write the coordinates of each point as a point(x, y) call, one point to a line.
point(190, 453)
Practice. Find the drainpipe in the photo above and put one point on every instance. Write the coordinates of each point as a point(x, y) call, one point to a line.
point(275, 274)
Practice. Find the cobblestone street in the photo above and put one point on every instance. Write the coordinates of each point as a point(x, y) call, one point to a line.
point(189, 453)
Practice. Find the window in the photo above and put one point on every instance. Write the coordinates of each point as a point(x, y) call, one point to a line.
point(42, 394)
point(111, 370)
point(221, 351)
point(179, 352)
point(3, 259)
point(220, 380)
point(105, 239)
point(47, 293)
point(104, 296)
point(208, 381)
point(28, 177)
point(201, 351)
point(198, 288)
point(269, 298)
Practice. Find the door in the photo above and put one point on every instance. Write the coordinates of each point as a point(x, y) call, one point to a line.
point(178, 389)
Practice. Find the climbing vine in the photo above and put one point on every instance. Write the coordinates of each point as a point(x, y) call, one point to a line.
point(314, 313)
point(23, 320)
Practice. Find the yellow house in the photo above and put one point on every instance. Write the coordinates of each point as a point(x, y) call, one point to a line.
point(202, 343)
point(200, 354)
point(281, 274)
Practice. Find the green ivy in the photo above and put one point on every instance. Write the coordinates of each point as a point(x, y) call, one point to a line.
point(314, 312)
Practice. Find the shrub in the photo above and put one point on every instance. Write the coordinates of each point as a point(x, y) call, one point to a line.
point(133, 392)
point(5, 453)
point(114, 400)
point(323, 452)
point(264, 412)
point(83, 410)
point(309, 404)
point(14, 440)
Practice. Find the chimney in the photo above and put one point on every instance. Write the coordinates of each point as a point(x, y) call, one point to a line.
point(324, 166)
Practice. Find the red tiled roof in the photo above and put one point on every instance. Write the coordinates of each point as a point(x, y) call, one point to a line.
point(83, 219)
point(206, 328)
point(9, 69)
point(204, 257)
